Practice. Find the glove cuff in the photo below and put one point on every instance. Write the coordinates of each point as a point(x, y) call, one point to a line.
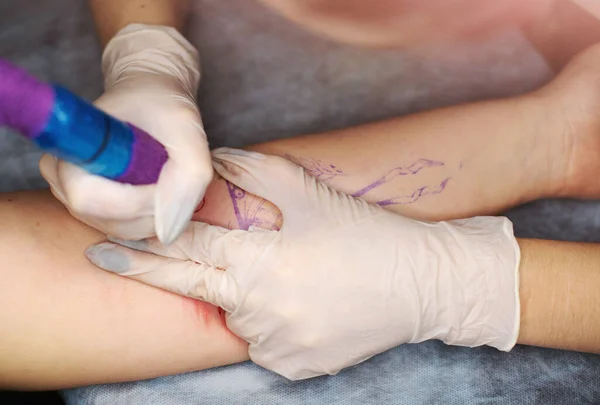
point(474, 300)
point(151, 49)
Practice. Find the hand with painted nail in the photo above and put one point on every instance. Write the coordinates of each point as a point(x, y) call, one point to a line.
point(151, 78)
point(341, 281)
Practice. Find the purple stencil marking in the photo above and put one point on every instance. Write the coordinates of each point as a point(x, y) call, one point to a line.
point(414, 168)
point(251, 211)
point(321, 171)
point(326, 173)
point(415, 195)
point(236, 194)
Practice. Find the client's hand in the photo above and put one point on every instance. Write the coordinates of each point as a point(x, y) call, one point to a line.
point(342, 281)
point(151, 77)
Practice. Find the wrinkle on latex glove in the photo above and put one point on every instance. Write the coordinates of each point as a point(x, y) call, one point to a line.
point(343, 280)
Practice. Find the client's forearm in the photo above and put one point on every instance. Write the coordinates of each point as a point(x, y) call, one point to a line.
point(65, 322)
point(451, 163)
point(457, 162)
point(559, 284)
point(454, 162)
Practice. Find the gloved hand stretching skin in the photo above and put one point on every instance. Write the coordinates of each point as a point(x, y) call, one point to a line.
point(342, 281)
point(151, 78)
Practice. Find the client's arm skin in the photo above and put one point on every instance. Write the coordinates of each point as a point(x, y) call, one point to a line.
point(112, 15)
point(454, 162)
point(559, 284)
point(435, 165)
point(66, 323)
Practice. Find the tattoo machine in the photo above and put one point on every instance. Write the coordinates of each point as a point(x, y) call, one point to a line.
point(72, 129)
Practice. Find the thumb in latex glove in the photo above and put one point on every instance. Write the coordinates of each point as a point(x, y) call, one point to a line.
point(342, 281)
point(151, 78)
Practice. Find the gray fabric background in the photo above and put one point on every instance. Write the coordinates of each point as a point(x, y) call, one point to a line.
point(264, 78)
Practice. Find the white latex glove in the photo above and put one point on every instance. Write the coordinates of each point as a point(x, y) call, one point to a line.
point(342, 281)
point(151, 78)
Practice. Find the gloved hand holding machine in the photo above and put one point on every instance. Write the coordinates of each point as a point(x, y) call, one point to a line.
point(74, 130)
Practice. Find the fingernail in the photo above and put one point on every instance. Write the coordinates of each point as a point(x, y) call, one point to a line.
point(141, 245)
point(238, 152)
point(108, 258)
point(174, 223)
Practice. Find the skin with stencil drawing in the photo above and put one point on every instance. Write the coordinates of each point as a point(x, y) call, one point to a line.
point(253, 211)
point(319, 170)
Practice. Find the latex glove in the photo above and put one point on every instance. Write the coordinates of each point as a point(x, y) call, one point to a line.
point(151, 78)
point(342, 281)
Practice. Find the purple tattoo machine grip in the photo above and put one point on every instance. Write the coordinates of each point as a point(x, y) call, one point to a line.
point(72, 129)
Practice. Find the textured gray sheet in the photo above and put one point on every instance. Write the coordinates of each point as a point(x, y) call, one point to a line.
point(264, 79)
point(429, 373)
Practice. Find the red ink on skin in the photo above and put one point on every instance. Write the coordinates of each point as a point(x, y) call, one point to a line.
point(202, 310)
point(207, 314)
